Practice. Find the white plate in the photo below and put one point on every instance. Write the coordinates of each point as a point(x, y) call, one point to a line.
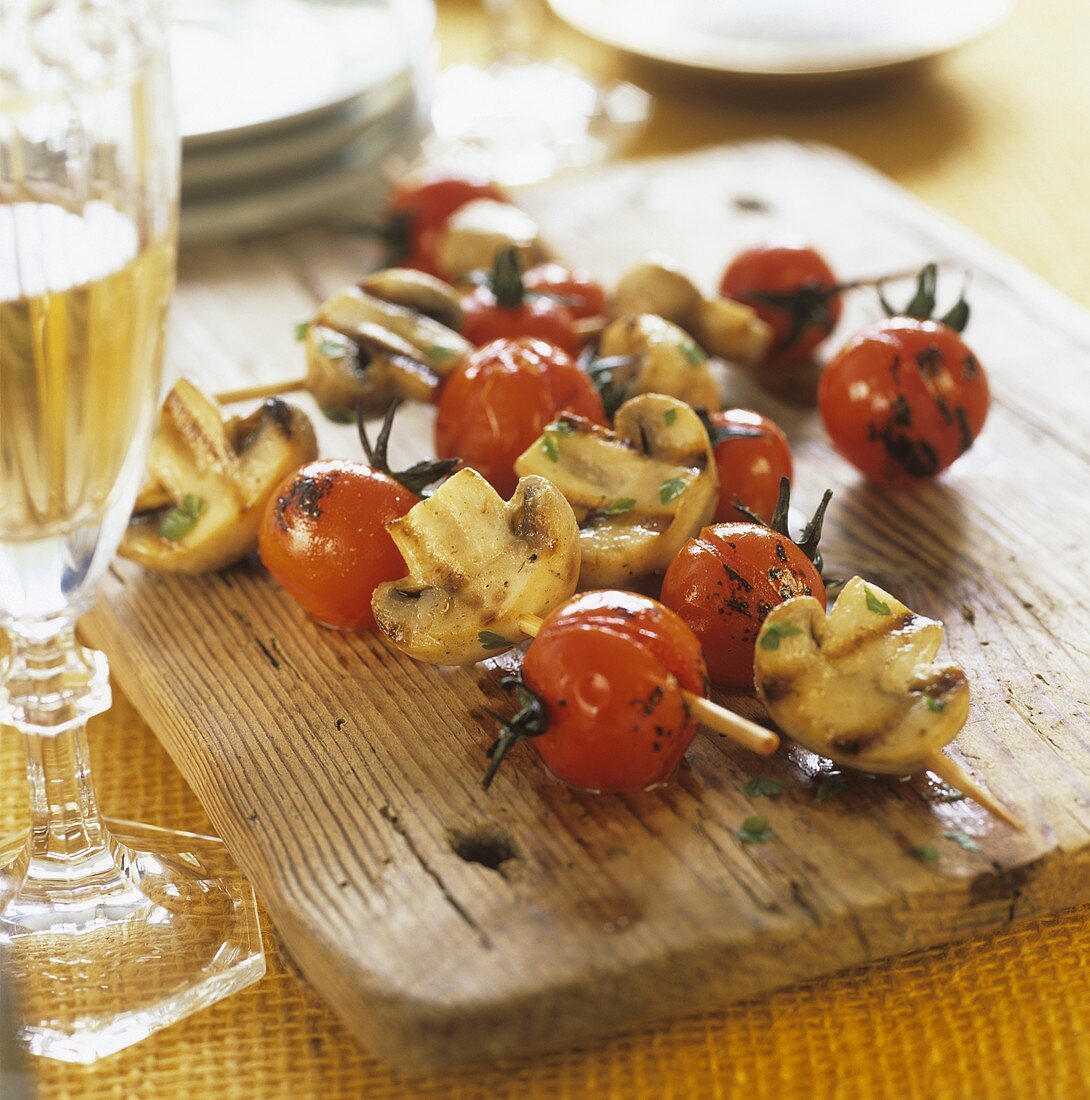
point(784, 37)
point(350, 187)
point(228, 166)
point(244, 68)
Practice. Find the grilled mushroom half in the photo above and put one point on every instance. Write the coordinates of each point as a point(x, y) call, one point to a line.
point(480, 229)
point(638, 491)
point(721, 326)
point(476, 563)
point(209, 480)
point(659, 357)
point(371, 343)
point(860, 685)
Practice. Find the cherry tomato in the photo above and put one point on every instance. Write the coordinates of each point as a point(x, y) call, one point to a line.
point(792, 289)
point(753, 457)
point(574, 288)
point(501, 399)
point(725, 581)
point(420, 206)
point(609, 668)
point(903, 399)
point(500, 307)
point(323, 538)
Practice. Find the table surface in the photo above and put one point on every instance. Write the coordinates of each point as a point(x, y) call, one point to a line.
point(995, 137)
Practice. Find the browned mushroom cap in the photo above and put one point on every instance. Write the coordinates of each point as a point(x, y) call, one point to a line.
point(638, 491)
point(479, 230)
point(664, 359)
point(476, 563)
point(418, 291)
point(658, 287)
point(363, 350)
point(860, 685)
point(215, 477)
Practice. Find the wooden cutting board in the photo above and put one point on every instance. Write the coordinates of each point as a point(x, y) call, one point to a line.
point(445, 924)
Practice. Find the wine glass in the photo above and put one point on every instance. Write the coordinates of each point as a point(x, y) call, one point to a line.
point(106, 934)
point(522, 118)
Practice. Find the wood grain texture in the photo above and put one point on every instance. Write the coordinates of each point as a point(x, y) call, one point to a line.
point(445, 924)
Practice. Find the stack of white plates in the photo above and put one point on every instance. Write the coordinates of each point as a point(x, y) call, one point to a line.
point(293, 110)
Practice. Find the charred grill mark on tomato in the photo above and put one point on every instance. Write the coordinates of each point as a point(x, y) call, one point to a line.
point(970, 366)
point(737, 578)
point(305, 496)
point(915, 456)
point(931, 361)
point(966, 433)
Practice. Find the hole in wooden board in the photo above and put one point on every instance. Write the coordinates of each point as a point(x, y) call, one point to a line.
point(486, 845)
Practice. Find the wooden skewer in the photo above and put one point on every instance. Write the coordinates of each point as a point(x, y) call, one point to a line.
point(740, 730)
point(953, 773)
point(586, 328)
point(267, 389)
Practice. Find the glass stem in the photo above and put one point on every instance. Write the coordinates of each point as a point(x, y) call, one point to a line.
point(49, 687)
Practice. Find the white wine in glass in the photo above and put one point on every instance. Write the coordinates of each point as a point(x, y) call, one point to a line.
point(106, 934)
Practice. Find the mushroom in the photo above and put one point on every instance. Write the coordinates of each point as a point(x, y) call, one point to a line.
point(638, 491)
point(215, 478)
point(721, 326)
point(416, 290)
point(658, 356)
point(657, 286)
point(860, 685)
point(477, 231)
point(363, 349)
point(476, 563)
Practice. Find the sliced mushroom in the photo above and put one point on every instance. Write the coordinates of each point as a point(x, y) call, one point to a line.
point(416, 290)
point(476, 563)
point(217, 477)
point(860, 685)
point(480, 229)
point(731, 330)
point(664, 359)
point(657, 287)
point(721, 326)
point(638, 491)
point(361, 348)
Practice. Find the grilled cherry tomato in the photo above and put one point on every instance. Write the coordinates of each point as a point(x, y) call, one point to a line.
point(903, 399)
point(753, 457)
point(500, 307)
point(792, 289)
point(502, 398)
point(572, 287)
point(726, 580)
point(604, 706)
point(323, 538)
point(420, 206)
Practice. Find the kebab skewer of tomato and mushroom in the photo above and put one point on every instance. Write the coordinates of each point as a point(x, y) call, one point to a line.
point(593, 506)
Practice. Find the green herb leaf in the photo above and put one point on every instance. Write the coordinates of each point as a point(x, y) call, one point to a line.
point(301, 330)
point(694, 353)
point(672, 489)
point(935, 705)
point(773, 632)
point(331, 349)
point(561, 427)
point(550, 447)
point(339, 414)
point(944, 793)
point(439, 353)
point(875, 604)
point(182, 518)
point(960, 836)
point(761, 785)
point(829, 786)
point(669, 417)
point(620, 506)
point(491, 640)
point(925, 853)
point(755, 830)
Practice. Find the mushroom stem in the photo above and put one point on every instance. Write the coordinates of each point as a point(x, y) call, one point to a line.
point(954, 774)
point(267, 389)
point(740, 730)
point(587, 328)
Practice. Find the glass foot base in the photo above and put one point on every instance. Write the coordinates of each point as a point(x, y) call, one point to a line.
point(518, 122)
point(177, 930)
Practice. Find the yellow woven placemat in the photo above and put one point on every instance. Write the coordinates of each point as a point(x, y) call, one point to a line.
point(1004, 1017)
